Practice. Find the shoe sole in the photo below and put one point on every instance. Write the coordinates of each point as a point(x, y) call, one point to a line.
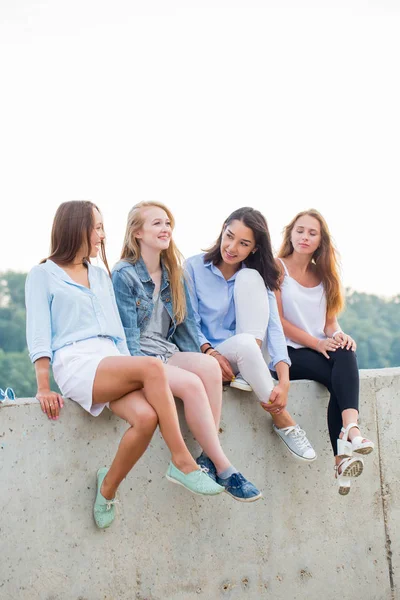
point(344, 490)
point(364, 451)
point(253, 499)
point(353, 470)
point(241, 387)
point(294, 453)
point(172, 480)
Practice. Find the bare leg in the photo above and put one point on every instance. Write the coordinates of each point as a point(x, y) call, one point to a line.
point(208, 370)
point(190, 389)
point(142, 418)
point(117, 376)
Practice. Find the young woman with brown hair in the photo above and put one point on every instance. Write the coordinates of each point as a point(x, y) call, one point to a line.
point(157, 315)
point(73, 323)
point(309, 301)
point(232, 294)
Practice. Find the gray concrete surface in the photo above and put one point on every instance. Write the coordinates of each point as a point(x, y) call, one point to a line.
point(301, 542)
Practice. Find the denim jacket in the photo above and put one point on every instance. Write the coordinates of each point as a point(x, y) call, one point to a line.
point(134, 289)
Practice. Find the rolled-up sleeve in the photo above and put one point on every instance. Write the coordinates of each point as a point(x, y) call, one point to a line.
point(276, 342)
point(38, 315)
point(127, 312)
point(191, 286)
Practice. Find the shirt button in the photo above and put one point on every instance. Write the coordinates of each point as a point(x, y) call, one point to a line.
point(138, 303)
point(167, 300)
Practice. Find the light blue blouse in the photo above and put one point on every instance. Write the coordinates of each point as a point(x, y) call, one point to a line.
point(60, 311)
point(214, 308)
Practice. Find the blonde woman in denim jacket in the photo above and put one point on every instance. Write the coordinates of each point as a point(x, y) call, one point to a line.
point(158, 319)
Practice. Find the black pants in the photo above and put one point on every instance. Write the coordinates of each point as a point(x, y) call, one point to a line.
point(339, 374)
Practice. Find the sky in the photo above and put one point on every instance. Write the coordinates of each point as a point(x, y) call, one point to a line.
point(207, 106)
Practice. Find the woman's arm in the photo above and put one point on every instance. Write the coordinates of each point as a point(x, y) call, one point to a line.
point(127, 311)
point(191, 286)
point(121, 342)
point(275, 337)
point(51, 402)
point(38, 335)
point(333, 330)
point(205, 346)
point(186, 335)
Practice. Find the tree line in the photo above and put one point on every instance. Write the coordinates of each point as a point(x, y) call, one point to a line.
point(371, 320)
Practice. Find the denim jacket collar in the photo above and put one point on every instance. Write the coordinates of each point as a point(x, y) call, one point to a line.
point(144, 276)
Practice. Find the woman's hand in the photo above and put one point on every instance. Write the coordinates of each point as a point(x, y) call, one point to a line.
point(345, 341)
point(51, 402)
point(278, 399)
point(327, 345)
point(227, 373)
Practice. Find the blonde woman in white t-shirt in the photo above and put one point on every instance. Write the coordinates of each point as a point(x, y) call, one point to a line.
point(309, 301)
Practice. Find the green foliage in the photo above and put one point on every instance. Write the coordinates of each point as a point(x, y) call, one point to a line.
point(374, 323)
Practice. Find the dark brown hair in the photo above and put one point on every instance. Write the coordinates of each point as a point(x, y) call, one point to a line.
point(262, 260)
point(325, 258)
point(72, 227)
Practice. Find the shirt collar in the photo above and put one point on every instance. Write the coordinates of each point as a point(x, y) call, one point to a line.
point(210, 265)
point(59, 272)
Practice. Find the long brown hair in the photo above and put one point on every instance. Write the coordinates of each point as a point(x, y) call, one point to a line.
point(172, 258)
point(325, 258)
point(262, 260)
point(72, 227)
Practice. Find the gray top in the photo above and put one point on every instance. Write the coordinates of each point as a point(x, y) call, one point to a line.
point(153, 340)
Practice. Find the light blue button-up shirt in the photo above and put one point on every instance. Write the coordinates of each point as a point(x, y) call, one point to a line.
point(214, 307)
point(60, 311)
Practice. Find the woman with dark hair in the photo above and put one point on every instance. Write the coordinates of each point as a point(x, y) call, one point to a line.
point(235, 309)
point(73, 323)
point(309, 301)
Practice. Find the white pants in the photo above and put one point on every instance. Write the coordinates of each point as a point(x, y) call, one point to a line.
point(242, 350)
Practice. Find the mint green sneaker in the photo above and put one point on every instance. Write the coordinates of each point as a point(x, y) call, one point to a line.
point(197, 481)
point(103, 510)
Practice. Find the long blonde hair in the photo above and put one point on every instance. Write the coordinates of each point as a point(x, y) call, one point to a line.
point(325, 258)
point(172, 258)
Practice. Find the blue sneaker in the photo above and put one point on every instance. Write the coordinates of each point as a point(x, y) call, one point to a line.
point(239, 488)
point(207, 463)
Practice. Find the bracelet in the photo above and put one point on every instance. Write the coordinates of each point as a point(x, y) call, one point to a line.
point(214, 352)
point(209, 347)
point(336, 332)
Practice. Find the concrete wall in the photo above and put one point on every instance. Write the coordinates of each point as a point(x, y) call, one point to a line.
point(303, 541)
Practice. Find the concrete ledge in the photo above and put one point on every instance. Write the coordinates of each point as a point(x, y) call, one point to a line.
point(302, 542)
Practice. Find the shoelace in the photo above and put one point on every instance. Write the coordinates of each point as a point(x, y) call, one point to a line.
point(204, 469)
point(299, 435)
point(109, 503)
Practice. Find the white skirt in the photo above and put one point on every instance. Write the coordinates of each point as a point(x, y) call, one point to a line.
point(75, 366)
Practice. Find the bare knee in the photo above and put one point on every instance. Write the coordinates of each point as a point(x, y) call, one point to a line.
point(192, 387)
point(154, 369)
point(211, 371)
point(145, 420)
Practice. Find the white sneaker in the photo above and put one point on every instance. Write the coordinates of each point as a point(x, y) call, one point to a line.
point(296, 442)
point(241, 384)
